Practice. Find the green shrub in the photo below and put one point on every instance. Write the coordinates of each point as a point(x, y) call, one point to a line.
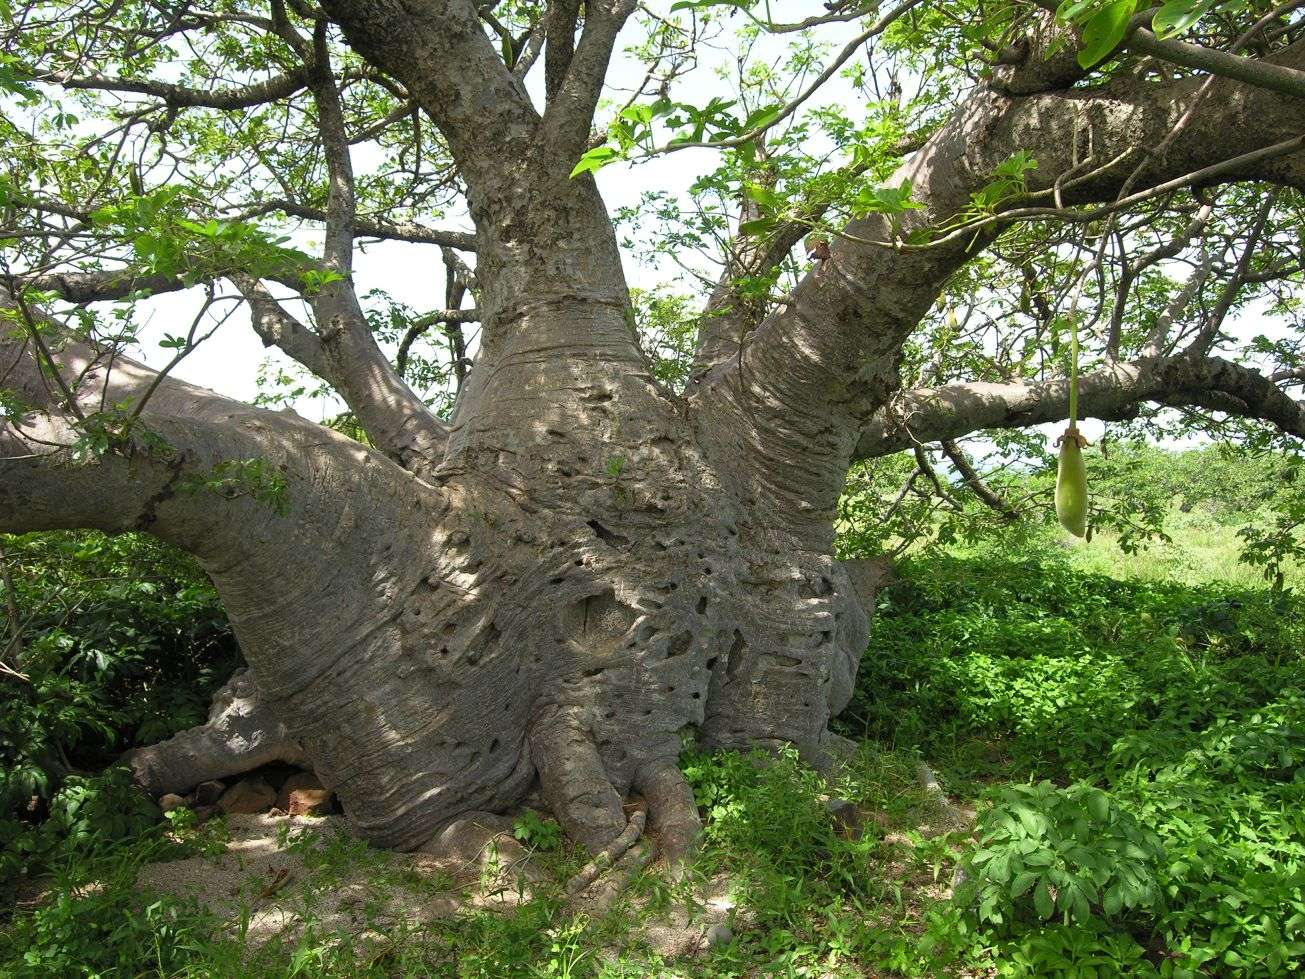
point(1073, 951)
point(124, 642)
point(1186, 703)
point(105, 928)
point(1043, 850)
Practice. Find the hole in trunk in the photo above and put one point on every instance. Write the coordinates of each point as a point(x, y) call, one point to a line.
point(608, 537)
point(679, 645)
point(735, 658)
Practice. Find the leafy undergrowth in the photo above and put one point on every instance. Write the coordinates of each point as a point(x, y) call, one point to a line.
point(1132, 737)
point(1162, 726)
point(812, 895)
point(122, 642)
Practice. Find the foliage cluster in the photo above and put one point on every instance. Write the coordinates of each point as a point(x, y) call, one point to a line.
point(118, 642)
point(1167, 709)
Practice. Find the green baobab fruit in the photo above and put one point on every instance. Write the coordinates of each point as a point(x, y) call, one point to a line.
point(1071, 483)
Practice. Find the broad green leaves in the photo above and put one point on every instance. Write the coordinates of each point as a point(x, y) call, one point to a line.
point(596, 159)
point(634, 129)
point(1104, 27)
point(884, 200)
point(165, 241)
point(14, 79)
point(1176, 16)
point(1075, 849)
point(1104, 23)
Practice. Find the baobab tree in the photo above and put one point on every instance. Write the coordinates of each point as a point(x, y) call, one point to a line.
point(581, 555)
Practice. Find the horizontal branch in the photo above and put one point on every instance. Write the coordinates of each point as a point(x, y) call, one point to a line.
point(94, 287)
point(1112, 394)
point(408, 231)
point(1253, 71)
point(180, 96)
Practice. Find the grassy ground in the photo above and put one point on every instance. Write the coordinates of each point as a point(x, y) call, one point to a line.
point(1128, 728)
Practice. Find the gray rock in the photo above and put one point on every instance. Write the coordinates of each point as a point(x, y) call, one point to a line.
point(249, 795)
point(718, 935)
point(208, 793)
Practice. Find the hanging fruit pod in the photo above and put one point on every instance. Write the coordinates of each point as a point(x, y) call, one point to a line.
point(1071, 483)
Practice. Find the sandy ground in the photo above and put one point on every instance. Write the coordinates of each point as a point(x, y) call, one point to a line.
point(280, 872)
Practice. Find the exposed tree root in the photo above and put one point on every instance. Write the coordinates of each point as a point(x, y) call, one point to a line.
point(605, 892)
point(610, 854)
point(673, 814)
point(574, 783)
point(241, 734)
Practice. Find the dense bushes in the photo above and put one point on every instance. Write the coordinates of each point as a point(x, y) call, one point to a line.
point(121, 641)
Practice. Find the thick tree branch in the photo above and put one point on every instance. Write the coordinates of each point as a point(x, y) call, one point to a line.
point(180, 96)
point(1112, 394)
point(394, 417)
point(560, 22)
point(1252, 71)
point(570, 113)
point(796, 398)
point(725, 319)
point(94, 287)
point(314, 542)
point(439, 51)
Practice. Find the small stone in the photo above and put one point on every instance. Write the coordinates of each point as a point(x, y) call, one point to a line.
point(170, 801)
point(303, 795)
point(249, 795)
point(718, 935)
point(208, 793)
point(848, 820)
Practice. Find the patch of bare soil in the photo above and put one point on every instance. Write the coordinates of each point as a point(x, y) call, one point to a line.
point(279, 873)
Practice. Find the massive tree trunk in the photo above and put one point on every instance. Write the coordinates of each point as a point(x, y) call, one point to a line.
point(583, 565)
point(571, 590)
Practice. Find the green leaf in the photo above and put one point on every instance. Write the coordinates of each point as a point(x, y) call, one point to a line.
point(1114, 901)
point(763, 117)
point(1022, 883)
point(1042, 901)
point(1098, 804)
point(759, 228)
point(595, 159)
point(1104, 30)
point(1176, 16)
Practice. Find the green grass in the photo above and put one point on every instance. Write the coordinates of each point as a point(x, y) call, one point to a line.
point(1200, 551)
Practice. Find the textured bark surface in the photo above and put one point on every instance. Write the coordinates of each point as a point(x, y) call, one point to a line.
point(561, 615)
point(581, 566)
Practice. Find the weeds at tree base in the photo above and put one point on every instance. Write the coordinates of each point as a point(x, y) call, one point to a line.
point(1135, 745)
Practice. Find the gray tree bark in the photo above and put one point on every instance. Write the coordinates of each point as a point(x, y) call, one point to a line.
point(582, 565)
